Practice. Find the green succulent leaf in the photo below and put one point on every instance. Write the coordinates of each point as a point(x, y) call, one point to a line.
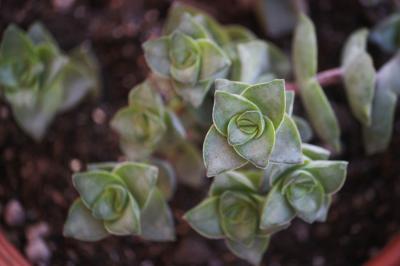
point(218, 155)
point(232, 87)
point(232, 181)
point(253, 253)
point(226, 106)
point(323, 212)
point(386, 33)
point(166, 181)
point(139, 178)
point(287, 147)
point(189, 26)
point(143, 96)
point(359, 76)
point(269, 98)
point(321, 114)
point(315, 152)
point(157, 57)
point(377, 136)
point(91, 184)
point(277, 213)
point(331, 174)
point(214, 62)
point(305, 194)
point(156, 218)
point(305, 130)
point(304, 49)
point(204, 218)
point(82, 225)
point(258, 150)
point(39, 34)
point(111, 203)
point(237, 33)
point(128, 222)
point(289, 102)
point(238, 215)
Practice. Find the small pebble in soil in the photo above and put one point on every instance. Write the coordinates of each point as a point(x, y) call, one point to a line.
point(99, 116)
point(14, 213)
point(75, 165)
point(4, 112)
point(147, 263)
point(318, 261)
point(37, 251)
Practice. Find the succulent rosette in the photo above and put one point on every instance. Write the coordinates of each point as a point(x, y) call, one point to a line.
point(121, 201)
point(232, 212)
point(189, 58)
point(38, 80)
point(141, 125)
point(251, 123)
point(303, 190)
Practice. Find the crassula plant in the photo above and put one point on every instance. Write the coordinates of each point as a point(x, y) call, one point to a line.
point(120, 200)
point(39, 80)
point(207, 76)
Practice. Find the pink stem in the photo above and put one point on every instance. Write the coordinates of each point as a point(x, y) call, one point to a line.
point(325, 78)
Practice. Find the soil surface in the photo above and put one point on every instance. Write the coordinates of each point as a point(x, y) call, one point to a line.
point(35, 178)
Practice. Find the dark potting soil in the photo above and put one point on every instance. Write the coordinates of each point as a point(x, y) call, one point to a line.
point(364, 215)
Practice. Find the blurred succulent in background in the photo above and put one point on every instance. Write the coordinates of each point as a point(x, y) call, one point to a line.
point(250, 124)
point(189, 58)
point(232, 212)
point(38, 80)
point(123, 200)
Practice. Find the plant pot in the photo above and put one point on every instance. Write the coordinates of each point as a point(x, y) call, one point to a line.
point(388, 256)
point(9, 255)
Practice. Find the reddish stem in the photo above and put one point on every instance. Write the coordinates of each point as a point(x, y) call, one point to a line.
point(325, 78)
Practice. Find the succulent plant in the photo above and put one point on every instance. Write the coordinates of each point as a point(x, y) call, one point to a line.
point(121, 201)
point(232, 212)
point(250, 124)
point(38, 80)
point(189, 58)
point(304, 190)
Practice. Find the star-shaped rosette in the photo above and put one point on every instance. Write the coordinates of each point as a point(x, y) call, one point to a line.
point(251, 123)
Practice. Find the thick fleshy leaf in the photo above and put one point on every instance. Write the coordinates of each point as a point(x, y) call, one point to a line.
point(304, 128)
point(244, 127)
point(315, 152)
point(386, 33)
point(304, 194)
point(273, 173)
point(175, 15)
point(253, 57)
point(80, 224)
point(156, 219)
point(276, 212)
point(106, 166)
point(232, 181)
point(139, 178)
point(204, 218)
point(233, 87)
point(289, 102)
point(304, 49)
point(166, 181)
point(218, 155)
point(214, 61)
point(194, 94)
point(191, 27)
point(269, 98)
point(214, 29)
point(39, 34)
point(253, 253)
point(377, 136)
point(156, 55)
point(331, 174)
point(323, 211)
point(359, 76)
point(226, 106)
point(111, 203)
point(259, 150)
point(287, 147)
point(320, 112)
point(128, 222)
point(238, 217)
point(91, 184)
point(15, 44)
point(239, 33)
point(143, 96)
